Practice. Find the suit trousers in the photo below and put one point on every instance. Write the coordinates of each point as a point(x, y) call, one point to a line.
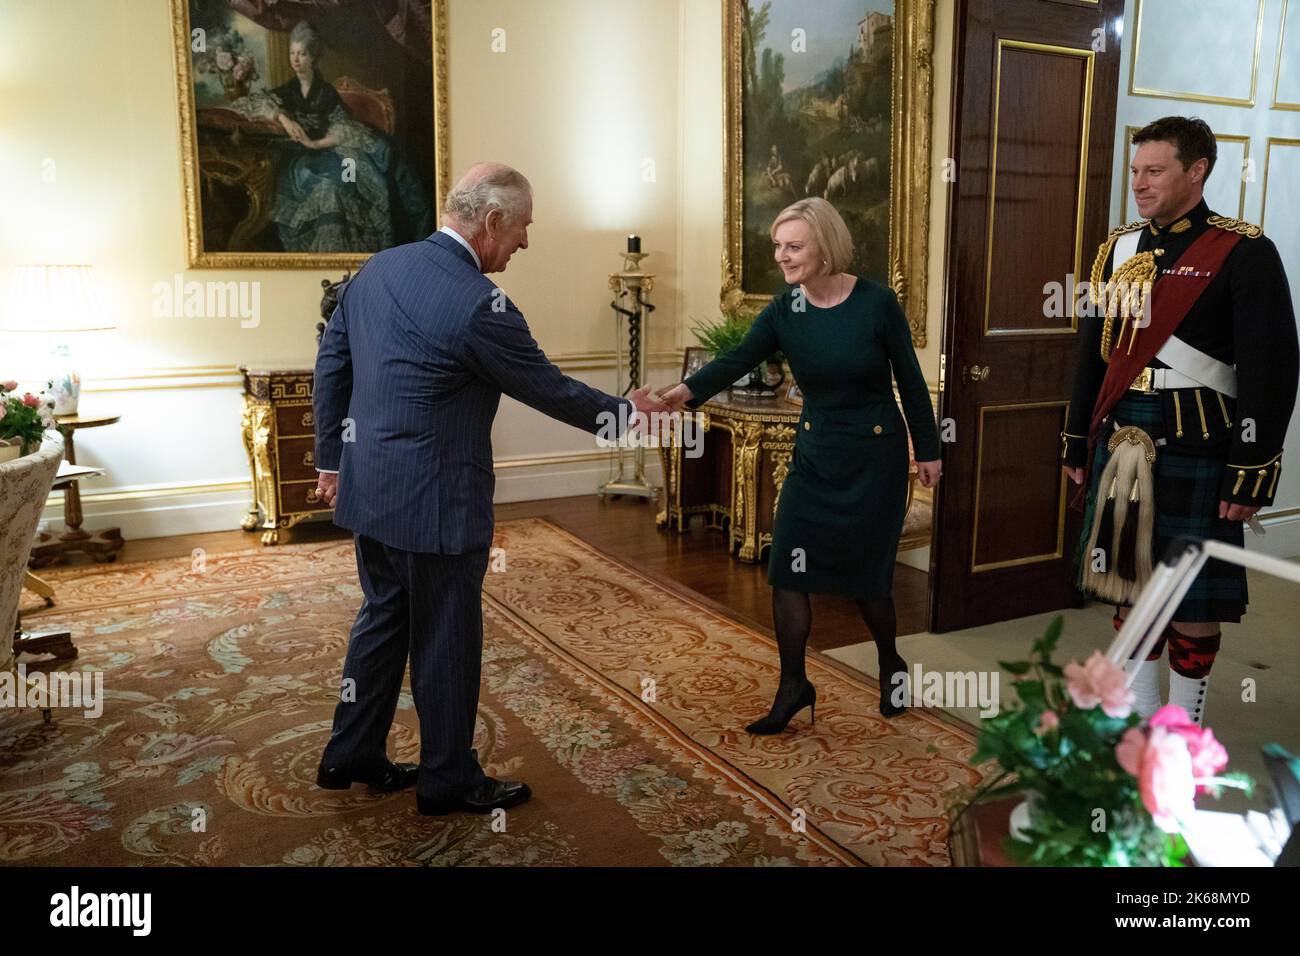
point(426, 606)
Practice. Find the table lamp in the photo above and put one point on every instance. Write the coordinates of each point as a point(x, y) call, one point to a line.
point(57, 302)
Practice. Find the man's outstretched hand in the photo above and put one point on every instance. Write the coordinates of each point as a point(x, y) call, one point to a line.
point(647, 402)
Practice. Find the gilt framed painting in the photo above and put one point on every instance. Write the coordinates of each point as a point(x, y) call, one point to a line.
point(830, 99)
point(313, 132)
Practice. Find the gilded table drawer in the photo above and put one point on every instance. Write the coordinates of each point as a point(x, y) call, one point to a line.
point(299, 496)
point(297, 459)
point(293, 420)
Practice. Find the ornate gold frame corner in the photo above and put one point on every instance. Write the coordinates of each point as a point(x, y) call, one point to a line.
point(910, 131)
point(196, 256)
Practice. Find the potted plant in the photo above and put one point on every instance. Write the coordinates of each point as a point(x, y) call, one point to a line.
point(723, 335)
point(1103, 787)
point(22, 421)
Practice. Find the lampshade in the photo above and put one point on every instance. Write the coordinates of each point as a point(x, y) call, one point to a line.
point(53, 299)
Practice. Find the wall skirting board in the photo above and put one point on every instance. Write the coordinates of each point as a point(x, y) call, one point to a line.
point(161, 510)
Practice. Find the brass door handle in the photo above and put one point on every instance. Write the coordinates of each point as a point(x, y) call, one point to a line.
point(976, 373)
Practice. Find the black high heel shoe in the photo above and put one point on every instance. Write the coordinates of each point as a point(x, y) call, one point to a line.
point(888, 688)
point(777, 719)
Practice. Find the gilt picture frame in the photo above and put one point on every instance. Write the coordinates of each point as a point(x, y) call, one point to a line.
point(310, 135)
point(832, 127)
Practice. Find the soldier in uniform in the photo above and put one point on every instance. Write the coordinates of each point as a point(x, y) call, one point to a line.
point(1185, 385)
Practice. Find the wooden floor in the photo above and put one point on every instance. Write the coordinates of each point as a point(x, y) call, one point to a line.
point(625, 528)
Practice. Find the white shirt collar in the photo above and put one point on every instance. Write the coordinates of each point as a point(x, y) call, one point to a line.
point(461, 239)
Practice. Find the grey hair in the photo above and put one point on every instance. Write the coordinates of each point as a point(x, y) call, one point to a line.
point(307, 34)
point(500, 187)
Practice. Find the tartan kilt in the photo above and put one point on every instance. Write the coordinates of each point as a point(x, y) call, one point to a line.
point(1187, 504)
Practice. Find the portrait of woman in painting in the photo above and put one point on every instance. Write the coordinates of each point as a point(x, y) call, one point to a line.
point(340, 184)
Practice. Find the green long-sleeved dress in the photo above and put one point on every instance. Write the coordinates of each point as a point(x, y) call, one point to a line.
point(842, 505)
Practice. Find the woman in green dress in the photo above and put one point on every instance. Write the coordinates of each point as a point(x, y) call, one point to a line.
point(842, 505)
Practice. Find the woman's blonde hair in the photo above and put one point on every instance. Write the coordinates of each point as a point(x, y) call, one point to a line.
point(828, 230)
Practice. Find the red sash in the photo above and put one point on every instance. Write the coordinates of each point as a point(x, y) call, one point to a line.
point(1171, 300)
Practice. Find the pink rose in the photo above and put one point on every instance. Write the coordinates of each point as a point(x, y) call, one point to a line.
point(8, 386)
point(1162, 765)
point(1099, 681)
point(1048, 721)
point(1208, 755)
point(31, 401)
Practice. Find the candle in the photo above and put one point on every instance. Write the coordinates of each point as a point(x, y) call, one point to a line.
point(633, 243)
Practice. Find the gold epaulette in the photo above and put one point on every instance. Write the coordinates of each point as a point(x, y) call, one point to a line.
point(1103, 253)
point(1240, 226)
point(1127, 227)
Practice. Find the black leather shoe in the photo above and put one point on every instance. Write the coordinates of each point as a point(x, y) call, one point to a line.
point(491, 794)
point(782, 711)
point(390, 776)
point(893, 693)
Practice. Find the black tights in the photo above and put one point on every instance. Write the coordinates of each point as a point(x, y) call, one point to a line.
point(792, 614)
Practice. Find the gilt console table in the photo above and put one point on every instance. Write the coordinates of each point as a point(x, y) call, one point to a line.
point(280, 439)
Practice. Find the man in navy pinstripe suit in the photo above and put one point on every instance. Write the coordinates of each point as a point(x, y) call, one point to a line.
point(408, 378)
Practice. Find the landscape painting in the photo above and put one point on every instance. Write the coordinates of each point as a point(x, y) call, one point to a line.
point(815, 108)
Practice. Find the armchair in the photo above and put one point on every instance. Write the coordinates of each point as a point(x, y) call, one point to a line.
point(25, 484)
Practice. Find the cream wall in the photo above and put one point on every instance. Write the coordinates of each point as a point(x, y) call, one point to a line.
point(585, 93)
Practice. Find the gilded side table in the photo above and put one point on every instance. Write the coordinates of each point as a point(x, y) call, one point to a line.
point(736, 482)
point(280, 440)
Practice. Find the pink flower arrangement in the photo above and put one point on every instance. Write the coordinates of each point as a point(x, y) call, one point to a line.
point(1099, 680)
point(23, 420)
point(1076, 729)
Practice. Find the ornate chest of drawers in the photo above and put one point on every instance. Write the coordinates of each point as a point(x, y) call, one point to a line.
point(280, 438)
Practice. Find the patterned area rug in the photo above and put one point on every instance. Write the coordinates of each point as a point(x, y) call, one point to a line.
point(619, 699)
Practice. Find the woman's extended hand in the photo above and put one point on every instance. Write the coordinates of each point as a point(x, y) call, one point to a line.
point(677, 397)
point(928, 472)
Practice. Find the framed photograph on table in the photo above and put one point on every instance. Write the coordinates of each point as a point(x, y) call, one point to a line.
point(312, 134)
point(694, 359)
point(831, 99)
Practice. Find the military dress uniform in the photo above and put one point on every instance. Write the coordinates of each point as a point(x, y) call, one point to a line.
point(843, 502)
point(1215, 402)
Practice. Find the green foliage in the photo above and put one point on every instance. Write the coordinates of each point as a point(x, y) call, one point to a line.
point(723, 335)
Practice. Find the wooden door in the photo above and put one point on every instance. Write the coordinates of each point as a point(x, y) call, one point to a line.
point(1033, 129)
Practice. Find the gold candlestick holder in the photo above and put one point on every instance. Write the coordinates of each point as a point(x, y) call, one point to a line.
point(632, 310)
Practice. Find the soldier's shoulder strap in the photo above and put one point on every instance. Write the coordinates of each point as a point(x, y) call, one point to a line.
point(1239, 226)
point(1103, 251)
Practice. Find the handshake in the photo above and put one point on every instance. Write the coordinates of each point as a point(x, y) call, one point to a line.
point(648, 402)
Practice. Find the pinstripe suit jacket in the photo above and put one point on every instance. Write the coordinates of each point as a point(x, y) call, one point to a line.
point(409, 375)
